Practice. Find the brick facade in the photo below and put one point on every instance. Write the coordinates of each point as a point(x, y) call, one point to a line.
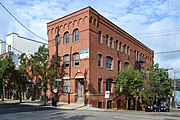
point(84, 74)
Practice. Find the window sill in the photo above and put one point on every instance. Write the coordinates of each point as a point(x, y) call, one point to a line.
point(109, 69)
point(76, 66)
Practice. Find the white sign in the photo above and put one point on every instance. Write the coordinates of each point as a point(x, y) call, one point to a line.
point(84, 53)
point(58, 79)
point(55, 90)
point(107, 94)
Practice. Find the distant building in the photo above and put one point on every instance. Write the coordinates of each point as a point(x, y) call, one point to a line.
point(2, 47)
point(93, 52)
point(17, 45)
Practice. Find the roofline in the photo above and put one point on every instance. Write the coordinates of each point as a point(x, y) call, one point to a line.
point(27, 38)
point(123, 31)
point(71, 14)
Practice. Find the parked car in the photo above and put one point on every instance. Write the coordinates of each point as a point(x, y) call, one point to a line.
point(152, 108)
point(178, 106)
point(164, 107)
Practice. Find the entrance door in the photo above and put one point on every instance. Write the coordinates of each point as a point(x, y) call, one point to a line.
point(80, 89)
point(119, 104)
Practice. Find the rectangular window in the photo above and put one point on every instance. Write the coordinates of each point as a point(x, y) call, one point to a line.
point(108, 85)
point(58, 61)
point(99, 85)
point(107, 37)
point(9, 48)
point(66, 61)
point(109, 104)
point(99, 60)
point(66, 85)
point(100, 105)
point(109, 62)
point(75, 59)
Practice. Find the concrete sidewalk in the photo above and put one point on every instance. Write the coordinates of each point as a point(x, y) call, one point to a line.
point(65, 106)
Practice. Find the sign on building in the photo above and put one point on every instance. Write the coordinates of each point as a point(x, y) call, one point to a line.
point(84, 53)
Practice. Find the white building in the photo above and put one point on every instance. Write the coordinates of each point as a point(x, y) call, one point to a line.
point(2, 47)
point(22, 44)
point(17, 45)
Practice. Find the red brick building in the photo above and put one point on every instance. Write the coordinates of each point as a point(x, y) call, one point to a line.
point(93, 50)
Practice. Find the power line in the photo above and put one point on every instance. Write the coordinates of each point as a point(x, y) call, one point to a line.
point(21, 23)
point(165, 52)
point(157, 31)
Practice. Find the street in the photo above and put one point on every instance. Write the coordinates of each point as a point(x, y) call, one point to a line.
point(15, 111)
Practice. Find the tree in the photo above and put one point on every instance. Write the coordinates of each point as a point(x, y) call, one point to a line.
point(129, 83)
point(6, 69)
point(23, 71)
point(157, 86)
point(40, 67)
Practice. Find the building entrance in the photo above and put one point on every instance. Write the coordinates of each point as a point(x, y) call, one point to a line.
point(80, 90)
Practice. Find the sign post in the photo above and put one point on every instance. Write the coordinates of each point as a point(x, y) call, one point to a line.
point(107, 94)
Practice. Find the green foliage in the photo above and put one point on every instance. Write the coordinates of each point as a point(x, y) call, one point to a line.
point(6, 69)
point(157, 85)
point(129, 82)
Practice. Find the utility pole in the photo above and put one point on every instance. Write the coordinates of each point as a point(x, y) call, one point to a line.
point(70, 59)
point(174, 89)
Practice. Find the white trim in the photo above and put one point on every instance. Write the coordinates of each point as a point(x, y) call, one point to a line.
point(79, 77)
point(66, 77)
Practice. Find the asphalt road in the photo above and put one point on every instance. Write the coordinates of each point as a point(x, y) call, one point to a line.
point(14, 111)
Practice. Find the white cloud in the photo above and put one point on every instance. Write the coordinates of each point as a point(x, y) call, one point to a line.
point(154, 23)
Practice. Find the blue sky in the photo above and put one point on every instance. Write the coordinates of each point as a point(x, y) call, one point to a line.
point(156, 23)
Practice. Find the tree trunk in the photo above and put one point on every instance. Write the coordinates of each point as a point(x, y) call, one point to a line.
point(44, 97)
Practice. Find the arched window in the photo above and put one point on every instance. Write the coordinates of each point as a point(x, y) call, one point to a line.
point(135, 55)
point(141, 57)
point(99, 60)
point(126, 64)
point(58, 40)
point(107, 37)
point(66, 37)
point(100, 37)
point(66, 60)
point(109, 62)
point(75, 35)
point(119, 66)
point(111, 43)
point(120, 46)
point(108, 84)
point(117, 45)
point(100, 85)
point(75, 59)
point(125, 52)
point(128, 51)
point(94, 22)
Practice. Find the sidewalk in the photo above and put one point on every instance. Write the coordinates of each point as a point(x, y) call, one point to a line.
point(64, 106)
